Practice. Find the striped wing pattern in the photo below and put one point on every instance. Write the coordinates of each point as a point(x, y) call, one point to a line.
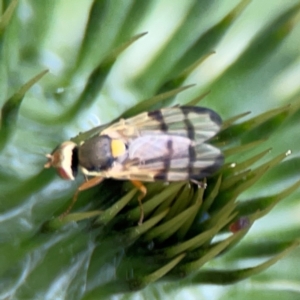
point(168, 144)
point(195, 123)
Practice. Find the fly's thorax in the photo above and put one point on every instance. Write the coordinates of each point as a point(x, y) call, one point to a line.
point(64, 159)
point(99, 153)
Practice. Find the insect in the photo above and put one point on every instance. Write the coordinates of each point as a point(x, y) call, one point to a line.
point(167, 144)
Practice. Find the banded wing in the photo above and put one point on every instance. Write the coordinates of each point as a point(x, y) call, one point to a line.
point(168, 158)
point(195, 123)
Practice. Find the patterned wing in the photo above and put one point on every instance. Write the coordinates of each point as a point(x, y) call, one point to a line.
point(195, 123)
point(168, 158)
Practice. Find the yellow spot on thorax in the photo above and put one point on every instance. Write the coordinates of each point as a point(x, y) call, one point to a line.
point(118, 148)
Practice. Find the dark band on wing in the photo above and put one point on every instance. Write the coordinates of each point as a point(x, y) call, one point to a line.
point(163, 174)
point(208, 171)
point(190, 129)
point(194, 173)
point(158, 116)
point(167, 161)
point(192, 158)
point(202, 110)
point(188, 124)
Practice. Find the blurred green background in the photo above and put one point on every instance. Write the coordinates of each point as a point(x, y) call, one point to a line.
point(255, 67)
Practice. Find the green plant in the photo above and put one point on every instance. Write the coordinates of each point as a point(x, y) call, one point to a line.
point(107, 253)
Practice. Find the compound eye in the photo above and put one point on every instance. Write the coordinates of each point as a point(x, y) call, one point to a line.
point(63, 174)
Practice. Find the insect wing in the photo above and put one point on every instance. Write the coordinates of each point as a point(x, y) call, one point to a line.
point(172, 158)
point(168, 145)
point(195, 123)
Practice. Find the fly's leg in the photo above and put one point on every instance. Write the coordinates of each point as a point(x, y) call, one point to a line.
point(200, 184)
point(139, 185)
point(84, 186)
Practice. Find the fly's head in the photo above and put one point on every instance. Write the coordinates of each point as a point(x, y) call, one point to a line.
point(64, 159)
